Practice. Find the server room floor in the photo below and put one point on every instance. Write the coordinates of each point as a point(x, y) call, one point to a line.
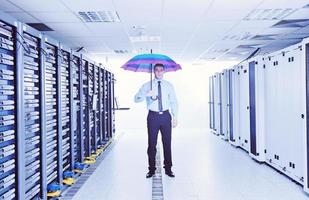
point(205, 166)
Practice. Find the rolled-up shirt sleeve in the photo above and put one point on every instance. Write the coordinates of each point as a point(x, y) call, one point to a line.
point(173, 102)
point(141, 94)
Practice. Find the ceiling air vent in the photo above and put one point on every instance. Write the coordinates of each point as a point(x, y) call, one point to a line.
point(269, 14)
point(99, 16)
point(40, 27)
point(145, 38)
point(119, 51)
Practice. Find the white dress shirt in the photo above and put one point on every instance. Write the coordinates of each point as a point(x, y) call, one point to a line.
point(169, 100)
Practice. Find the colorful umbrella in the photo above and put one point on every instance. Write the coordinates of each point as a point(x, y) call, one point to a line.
point(145, 63)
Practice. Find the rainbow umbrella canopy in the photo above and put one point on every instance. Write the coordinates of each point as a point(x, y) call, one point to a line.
point(145, 63)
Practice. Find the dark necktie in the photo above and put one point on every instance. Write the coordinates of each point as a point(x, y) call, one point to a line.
point(159, 97)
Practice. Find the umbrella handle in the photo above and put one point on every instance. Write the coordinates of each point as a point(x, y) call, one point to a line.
point(154, 98)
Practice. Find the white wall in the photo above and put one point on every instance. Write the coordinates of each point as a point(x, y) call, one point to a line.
point(191, 86)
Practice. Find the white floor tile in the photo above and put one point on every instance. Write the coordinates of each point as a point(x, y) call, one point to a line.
point(206, 168)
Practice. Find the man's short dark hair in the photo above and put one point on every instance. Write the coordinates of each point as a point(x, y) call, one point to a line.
point(158, 65)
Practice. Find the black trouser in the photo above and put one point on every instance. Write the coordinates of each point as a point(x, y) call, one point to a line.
point(162, 122)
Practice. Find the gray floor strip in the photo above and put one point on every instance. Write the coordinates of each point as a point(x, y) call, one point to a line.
point(157, 186)
point(70, 192)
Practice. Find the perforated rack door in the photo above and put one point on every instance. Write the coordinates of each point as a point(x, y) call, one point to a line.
point(109, 105)
point(85, 101)
point(106, 136)
point(78, 140)
point(7, 112)
point(102, 107)
point(113, 103)
point(51, 72)
point(96, 108)
point(65, 109)
point(91, 107)
point(32, 129)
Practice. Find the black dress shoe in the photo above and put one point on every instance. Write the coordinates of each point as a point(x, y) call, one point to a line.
point(150, 174)
point(170, 173)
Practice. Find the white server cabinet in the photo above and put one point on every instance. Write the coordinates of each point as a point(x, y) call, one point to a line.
point(234, 98)
point(224, 105)
point(244, 114)
point(283, 111)
point(217, 103)
point(305, 108)
point(256, 98)
point(211, 103)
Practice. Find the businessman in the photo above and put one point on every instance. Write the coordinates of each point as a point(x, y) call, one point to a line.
point(162, 116)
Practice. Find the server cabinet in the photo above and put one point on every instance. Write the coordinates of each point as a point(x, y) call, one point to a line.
point(210, 102)
point(106, 106)
point(77, 114)
point(244, 113)
point(113, 80)
point(283, 112)
point(230, 105)
point(31, 152)
point(66, 109)
point(102, 106)
point(91, 111)
point(217, 102)
point(224, 104)
point(8, 111)
point(109, 106)
point(85, 110)
point(235, 87)
point(305, 114)
point(96, 105)
point(256, 90)
point(51, 116)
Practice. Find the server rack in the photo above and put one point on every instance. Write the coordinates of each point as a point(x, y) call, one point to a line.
point(101, 106)
point(230, 105)
point(8, 111)
point(66, 102)
point(109, 106)
point(96, 105)
point(85, 103)
point(112, 98)
point(224, 105)
point(77, 114)
point(244, 108)
point(30, 148)
point(234, 140)
point(106, 136)
point(284, 110)
point(91, 110)
point(217, 102)
point(210, 103)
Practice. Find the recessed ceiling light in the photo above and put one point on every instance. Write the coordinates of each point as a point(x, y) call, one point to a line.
point(99, 16)
point(269, 14)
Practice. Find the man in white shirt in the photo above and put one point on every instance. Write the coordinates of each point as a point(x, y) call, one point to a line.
point(161, 100)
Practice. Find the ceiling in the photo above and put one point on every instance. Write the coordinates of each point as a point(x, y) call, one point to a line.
point(195, 31)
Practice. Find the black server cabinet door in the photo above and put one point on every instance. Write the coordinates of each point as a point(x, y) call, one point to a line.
point(78, 141)
point(252, 108)
point(32, 115)
point(85, 100)
point(8, 146)
point(65, 110)
point(51, 73)
point(230, 96)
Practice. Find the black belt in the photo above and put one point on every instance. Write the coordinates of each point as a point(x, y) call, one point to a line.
point(160, 113)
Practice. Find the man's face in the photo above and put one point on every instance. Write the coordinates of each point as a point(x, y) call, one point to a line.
point(159, 71)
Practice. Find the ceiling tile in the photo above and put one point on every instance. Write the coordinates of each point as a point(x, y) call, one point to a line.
point(24, 17)
point(39, 5)
point(56, 17)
